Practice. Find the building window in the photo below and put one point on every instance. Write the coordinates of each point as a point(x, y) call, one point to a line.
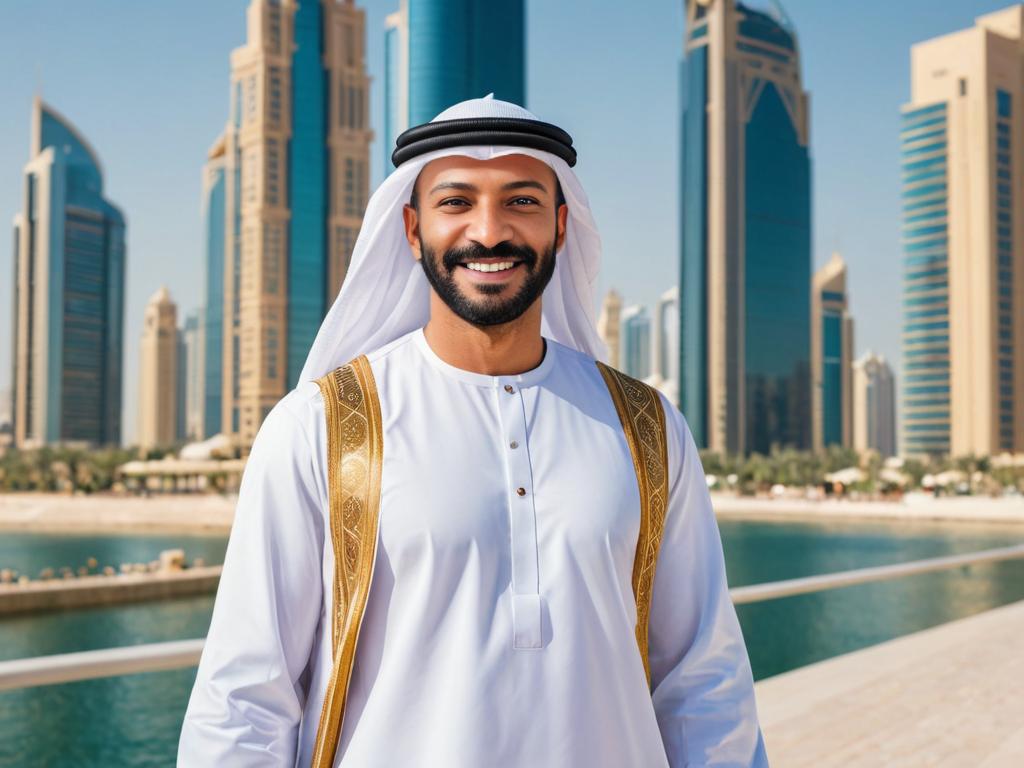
point(273, 172)
point(350, 191)
point(275, 96)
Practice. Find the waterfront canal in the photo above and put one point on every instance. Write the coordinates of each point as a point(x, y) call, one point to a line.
point(134, 720)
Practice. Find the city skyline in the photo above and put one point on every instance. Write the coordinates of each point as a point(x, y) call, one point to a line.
point(159, 242)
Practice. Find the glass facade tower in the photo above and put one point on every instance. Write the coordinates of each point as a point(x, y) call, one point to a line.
point(440, 52)
point(69, 268)
point(212, 324)
point(746, 230)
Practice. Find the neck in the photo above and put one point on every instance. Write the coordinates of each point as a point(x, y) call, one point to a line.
point(496, 350)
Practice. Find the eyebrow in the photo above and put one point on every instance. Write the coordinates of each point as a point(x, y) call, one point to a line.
point(466, 187)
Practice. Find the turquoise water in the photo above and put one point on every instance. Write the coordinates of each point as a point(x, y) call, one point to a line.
point(134, 720)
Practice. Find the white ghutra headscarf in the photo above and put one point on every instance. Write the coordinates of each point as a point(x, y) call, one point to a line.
point(386, 295)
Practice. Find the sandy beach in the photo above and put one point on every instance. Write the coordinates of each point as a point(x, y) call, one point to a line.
point(913, 507)
point(103, 513)
point(212, 514)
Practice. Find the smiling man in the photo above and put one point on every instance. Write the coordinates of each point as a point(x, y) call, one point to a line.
point(461, 540)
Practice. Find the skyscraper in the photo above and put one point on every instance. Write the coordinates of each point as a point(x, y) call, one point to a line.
point(440, 52)
point(874, 405)
point(396, 79)
point(158, 373)
point(665, 365)
point(636, 342)
point(746, 230)
point(190, 378)
point(296, 169)
point(69, 266)
point(212, 316)
point(831, 356)
point(609, 326)
point(963, 305)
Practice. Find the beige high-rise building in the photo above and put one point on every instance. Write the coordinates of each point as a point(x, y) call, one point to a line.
point(158, 373)
point(296, 170)
point(831, 357)
point(609, 324)
point(874, 405)
point(963, 266)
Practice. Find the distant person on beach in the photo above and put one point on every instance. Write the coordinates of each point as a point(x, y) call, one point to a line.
point(461, 541)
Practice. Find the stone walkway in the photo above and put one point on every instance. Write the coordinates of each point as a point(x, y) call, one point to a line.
point(950, 696)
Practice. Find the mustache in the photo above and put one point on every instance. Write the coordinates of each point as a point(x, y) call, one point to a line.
point(456, 256)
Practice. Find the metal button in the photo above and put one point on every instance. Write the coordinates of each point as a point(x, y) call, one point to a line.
point(508, 388)
point(521, 491)
point(513, 445)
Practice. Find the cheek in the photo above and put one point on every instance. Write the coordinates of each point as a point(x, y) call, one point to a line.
point(440, 232)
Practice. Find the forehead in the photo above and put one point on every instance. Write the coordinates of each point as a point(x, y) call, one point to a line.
point(482, 173)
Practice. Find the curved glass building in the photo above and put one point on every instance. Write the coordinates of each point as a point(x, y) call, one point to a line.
point(69, 267)
point(745, 281)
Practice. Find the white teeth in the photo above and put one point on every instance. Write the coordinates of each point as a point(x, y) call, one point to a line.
point(501, 265)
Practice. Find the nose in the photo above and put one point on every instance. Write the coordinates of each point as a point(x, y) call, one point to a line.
point(489, 226)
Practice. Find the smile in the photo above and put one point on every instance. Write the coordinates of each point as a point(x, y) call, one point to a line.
point(499, 266)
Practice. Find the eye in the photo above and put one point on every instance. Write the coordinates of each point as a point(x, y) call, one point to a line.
point(524, 201)
point(454, 202)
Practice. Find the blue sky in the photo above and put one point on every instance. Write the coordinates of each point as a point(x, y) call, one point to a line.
point(147, 83)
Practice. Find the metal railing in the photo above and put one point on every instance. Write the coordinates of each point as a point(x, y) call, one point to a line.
point(155, 657)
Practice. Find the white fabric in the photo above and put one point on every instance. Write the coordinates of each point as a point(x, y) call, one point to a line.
point(499, 629)
point(385, 293)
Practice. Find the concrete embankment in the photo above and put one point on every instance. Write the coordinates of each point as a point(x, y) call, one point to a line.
point(947, 696)
point(90, 591)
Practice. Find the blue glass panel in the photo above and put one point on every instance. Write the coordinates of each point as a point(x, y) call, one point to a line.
point(911, 115)
point(213, 313)
point(927, 286)
point(693, 269)
point(924, 176)
point(776, 276)
point(307, 189)
point(1003, 103)
point(925, 273)
point(914, 327)
point(934, 147)
point(939, 213)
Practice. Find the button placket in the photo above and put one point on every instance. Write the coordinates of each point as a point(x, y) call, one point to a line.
point(526, 600)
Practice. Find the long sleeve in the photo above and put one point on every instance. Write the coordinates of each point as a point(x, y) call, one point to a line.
point(248, 697)
point(702, 686)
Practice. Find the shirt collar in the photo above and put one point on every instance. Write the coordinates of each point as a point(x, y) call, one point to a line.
point(528, 378)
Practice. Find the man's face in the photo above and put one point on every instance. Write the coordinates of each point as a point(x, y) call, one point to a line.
point(486, 233)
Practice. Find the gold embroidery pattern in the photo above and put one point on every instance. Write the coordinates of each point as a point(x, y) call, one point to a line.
point(643, 420)
point(354, 457)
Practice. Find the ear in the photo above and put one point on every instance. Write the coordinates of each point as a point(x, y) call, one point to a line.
point(561, 218)
point(412, 230)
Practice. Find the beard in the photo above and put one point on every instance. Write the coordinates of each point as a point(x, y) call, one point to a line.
point(488, 310)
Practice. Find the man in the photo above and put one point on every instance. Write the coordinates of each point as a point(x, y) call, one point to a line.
point(453, 547)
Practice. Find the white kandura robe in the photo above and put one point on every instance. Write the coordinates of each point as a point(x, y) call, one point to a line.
point(499, 629)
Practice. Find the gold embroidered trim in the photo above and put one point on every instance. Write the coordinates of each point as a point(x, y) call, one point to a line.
point(354, 457)
point(643, 420)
